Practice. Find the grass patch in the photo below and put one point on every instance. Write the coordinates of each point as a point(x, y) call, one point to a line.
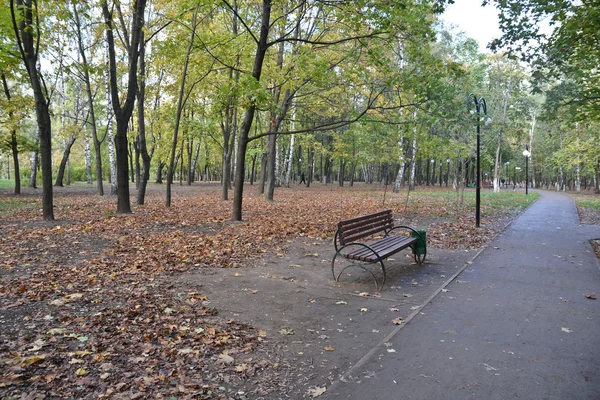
point(587, 202)
point(7, 183)
point(440, 202)
point(11, 205)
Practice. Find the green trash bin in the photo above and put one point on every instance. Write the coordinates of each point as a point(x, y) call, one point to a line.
point(421, 245)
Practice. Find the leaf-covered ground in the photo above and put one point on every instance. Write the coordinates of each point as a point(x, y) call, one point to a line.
point(85, 306)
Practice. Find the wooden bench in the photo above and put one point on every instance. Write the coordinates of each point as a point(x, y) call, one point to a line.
point(350, 231)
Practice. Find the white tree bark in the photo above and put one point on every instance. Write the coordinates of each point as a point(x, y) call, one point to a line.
point(290, 158)
point(110, 136)
point(413, 161)
point(400, 175)
point(87, 154)
point(531, 160)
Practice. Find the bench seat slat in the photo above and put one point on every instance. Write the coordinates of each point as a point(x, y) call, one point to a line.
point(384, 247)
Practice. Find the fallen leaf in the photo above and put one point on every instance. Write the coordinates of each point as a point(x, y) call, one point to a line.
point(445, 290)
point(590, 296)
point(316, 391)
point(329, 348)
point(567, 330)
point(340, 303)
point(56, 331)
point(225, 359)
point(29, 360)
point(286, 331)
point(391, 350)
point(364, 294)
point(242, 368)
point(397, 321)
point(394, 309)
point(364, 309)
point(81, 372)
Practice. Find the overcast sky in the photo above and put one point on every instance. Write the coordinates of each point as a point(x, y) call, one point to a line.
point(479, 23)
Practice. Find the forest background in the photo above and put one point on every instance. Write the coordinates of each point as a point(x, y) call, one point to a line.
point(273, 92)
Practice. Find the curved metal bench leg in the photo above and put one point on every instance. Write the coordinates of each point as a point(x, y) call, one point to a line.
point(337, 278)
point(333, 266)
point(419, 258)
point(383, 282)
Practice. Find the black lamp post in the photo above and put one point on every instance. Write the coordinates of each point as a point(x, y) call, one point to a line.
point(507, 177)
point(526, 153)
point(479, 105)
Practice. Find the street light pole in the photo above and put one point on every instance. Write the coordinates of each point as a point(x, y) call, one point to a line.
point(526, 153)
point(479, 105)
point(507, 177)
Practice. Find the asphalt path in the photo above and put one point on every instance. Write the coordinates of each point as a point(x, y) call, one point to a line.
point(515, 324)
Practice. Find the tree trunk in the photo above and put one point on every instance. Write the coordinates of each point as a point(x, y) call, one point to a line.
point(87, 154)
point(63, 163)
point(159, 170)
point(110, 137)
point(263, 173)
point(270, 170)
point(413, 161)
point(13, 141)
point(33, 158)
point(259, 58)
point(180, 105)
point(131, 153)
point(92, 115)
point(142, 143)
point(123, 113)
point(24, 28)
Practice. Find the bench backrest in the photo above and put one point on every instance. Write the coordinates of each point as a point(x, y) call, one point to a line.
point(351, 230)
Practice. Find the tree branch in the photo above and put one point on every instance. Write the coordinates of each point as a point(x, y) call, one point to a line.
point(241, 20)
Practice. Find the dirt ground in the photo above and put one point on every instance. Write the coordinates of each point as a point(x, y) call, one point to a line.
point(86, 313)
point(321, 328)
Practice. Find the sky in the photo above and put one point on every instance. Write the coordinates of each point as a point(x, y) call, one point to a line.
point(479, 23)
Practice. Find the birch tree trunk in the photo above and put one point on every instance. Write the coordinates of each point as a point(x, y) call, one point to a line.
point(110, 137)
point(87, 155)
point(290, 158)
point(531, 158)
point(413, 160)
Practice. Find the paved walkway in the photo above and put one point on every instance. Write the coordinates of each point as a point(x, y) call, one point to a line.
point(514, 325)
